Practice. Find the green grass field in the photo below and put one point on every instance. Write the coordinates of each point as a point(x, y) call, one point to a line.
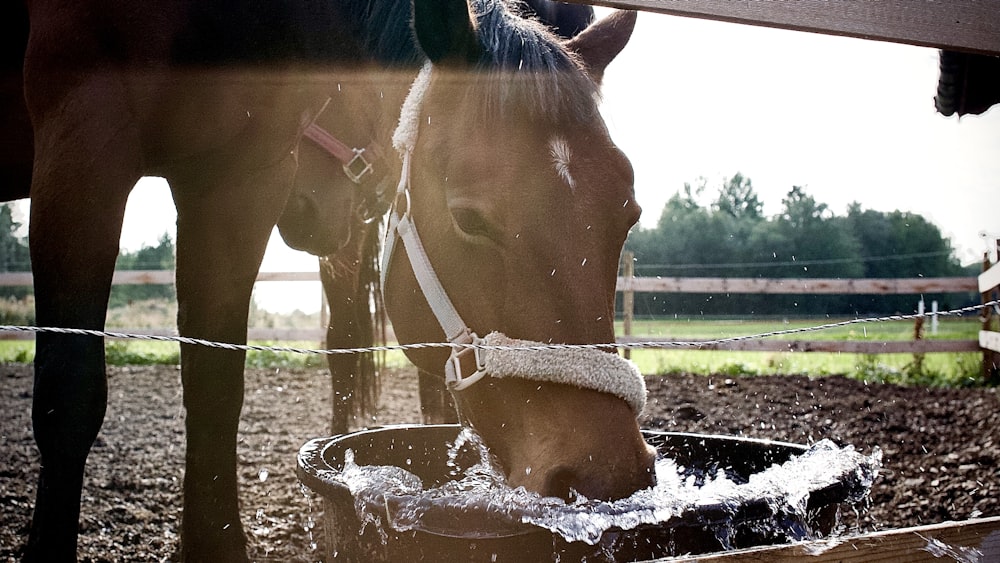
point(947, 369)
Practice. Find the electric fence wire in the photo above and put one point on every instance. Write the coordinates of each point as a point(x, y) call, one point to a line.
point(651, 344)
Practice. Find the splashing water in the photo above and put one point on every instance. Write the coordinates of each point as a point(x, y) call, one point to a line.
point(478, 502)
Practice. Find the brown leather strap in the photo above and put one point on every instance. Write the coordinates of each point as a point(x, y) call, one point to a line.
point(357, 162)
point(329, 143)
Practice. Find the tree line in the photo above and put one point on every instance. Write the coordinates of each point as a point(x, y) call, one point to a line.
point(731, 237)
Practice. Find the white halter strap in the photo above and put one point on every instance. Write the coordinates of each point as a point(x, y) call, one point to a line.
point(591, 369)
point(402, 227)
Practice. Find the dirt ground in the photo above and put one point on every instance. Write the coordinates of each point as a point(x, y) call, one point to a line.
point(941, 450)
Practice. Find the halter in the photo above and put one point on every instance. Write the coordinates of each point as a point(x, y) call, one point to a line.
point(502, 356)
point(358, 162)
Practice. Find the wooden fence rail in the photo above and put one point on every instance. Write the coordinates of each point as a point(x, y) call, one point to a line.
point(630, 285)
point(658, 284)
point(811, 286)
point(166, 277)
point(957, 25)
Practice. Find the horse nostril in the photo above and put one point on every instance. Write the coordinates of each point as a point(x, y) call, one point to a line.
point(562, 483)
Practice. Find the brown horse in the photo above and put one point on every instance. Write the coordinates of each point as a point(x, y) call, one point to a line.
point(343, 164)
point(335, 211)
point(514, 179)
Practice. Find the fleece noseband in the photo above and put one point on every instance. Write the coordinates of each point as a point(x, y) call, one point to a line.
point(496, 355)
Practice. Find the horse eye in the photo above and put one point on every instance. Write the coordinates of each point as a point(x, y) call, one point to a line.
point(471, 222)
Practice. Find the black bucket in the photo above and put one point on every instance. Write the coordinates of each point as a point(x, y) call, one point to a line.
point(423, 451)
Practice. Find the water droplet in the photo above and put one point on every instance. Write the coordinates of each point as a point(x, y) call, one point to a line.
point(262, 474)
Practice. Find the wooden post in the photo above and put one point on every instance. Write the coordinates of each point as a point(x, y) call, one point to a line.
point(991, 359)
point(918, 334)
point(628, 296)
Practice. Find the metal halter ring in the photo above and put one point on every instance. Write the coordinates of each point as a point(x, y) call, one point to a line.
point(402, 196)
point(358, 167)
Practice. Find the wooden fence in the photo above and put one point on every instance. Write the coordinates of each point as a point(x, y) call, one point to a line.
point(166, 277)
point(629, 285)
point(808, 286)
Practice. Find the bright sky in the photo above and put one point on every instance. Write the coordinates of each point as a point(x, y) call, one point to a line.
point(848, 119)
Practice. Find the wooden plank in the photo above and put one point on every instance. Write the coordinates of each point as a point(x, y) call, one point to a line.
point(287, 334)
point(643, 284)
point(156, 277)
point(828, 346)
point(989, 340)
point(143, 277)
point(287, 276)
point(958, 25)
point(990, 278)
point(15, 279)
point(971, 540)
point(257, 334)
point(799, 286)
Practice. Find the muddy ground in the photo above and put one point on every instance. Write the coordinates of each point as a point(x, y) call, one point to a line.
point(941, 450)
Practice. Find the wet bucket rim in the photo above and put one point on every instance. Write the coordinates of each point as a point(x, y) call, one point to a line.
point(314, 458)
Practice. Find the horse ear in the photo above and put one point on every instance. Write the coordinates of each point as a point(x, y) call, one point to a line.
point(445, 31)
point(600, 43)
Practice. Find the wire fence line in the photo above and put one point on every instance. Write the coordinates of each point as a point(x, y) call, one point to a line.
point(532, 347)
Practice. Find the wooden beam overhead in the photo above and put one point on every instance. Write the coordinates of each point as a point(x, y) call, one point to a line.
point(957, 25)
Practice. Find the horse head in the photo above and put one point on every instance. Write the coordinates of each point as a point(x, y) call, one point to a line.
point(523, 203)
point(339, 178)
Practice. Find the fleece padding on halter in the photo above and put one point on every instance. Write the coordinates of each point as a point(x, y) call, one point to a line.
point(405, 136)
point(587, 368)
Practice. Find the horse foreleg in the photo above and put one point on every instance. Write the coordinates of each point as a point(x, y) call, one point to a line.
point(339, 276)
point(82, 178)
point(221, 237)
point(342, 390)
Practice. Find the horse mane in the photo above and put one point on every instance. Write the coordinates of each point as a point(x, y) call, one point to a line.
point(528, 69)
point(524, 64)
point(385, 31)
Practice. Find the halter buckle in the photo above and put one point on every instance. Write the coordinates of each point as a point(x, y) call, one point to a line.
point(358, 167)
point(457, 365)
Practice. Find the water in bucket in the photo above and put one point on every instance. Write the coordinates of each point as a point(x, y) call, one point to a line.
point(717, 497)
